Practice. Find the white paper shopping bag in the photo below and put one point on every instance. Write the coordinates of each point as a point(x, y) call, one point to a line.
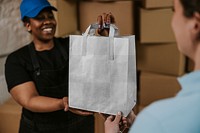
point(102, 72)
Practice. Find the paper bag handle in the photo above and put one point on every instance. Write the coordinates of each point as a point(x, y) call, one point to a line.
point(113, 31)
point(91, 30)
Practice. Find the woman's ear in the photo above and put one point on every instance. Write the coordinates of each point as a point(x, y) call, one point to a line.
point(196, 26)
point(27, 25)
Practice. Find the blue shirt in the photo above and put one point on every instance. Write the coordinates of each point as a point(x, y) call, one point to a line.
point(180, 114)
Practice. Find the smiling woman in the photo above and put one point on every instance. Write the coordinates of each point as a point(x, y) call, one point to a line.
point(37, 75)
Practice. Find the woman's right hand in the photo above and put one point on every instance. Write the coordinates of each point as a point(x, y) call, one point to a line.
point(73, 110)
point(80, 112)
point(65, 103)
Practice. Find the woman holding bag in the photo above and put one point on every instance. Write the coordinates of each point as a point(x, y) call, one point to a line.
point(37, 75)
point(181, 113)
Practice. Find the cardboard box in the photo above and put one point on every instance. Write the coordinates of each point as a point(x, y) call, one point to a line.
point(122, 10)
point(157, 3)
point(99, 123)
point(11, 101)
point(155, 26)
point(10, 114)
point(4, 94)
point(154, 87)
point(160, 58)
point(66, 17)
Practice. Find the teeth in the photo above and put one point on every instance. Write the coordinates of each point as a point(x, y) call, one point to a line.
point(48, 30)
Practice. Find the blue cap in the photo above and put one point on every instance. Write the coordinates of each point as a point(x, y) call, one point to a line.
point(31, 8)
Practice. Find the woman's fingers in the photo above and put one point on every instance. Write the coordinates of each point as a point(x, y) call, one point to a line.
point(65, 102)
point(110, 118)
point(100, 23)
point(104, 21)
point(118, 117)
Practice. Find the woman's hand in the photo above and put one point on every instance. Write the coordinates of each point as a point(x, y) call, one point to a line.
point(65, 103)
point(75, 111)
point(80, 112)
point(119, 123)
point(112, 123)
point(104, 21)
point(128, 121)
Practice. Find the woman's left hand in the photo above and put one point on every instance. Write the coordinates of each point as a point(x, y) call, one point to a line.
point(104, 21)
point(80, 112)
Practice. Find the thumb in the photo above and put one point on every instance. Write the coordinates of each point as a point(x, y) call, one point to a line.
point(118, 117)
point(65, 102)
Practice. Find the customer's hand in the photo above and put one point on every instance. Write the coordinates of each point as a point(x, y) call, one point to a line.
point(104, 21)
point(112, 123)
point(128, 121)
point(118, 123)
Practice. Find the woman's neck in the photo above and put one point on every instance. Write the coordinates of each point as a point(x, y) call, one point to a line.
point(197, 58)
point(43, 45)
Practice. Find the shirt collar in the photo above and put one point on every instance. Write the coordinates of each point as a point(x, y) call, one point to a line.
point(190, 81)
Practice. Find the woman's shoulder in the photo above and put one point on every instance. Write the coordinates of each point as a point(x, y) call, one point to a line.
point(20, 53)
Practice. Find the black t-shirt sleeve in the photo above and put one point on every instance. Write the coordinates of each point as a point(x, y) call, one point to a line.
point(19, 68)
point(16, 72)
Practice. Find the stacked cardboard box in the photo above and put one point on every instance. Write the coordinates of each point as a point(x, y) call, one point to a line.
point(157, 4)
point(122, 10)
point(155, 26)
point(99, 123)
point(158, 59)
point(66, 17)
point(154, 86)
point(9, 117)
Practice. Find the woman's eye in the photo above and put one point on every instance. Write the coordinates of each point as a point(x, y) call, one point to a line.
point(51, 17)
point(40, 18)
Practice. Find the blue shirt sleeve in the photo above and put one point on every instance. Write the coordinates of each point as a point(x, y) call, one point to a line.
point(146, 123)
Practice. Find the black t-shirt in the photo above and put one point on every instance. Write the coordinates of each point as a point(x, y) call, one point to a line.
point(19, 67)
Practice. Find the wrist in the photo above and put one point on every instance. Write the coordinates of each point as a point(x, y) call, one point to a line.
point(61, 104)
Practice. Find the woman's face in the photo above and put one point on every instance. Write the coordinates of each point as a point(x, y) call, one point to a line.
point(181, 27)
point(43, 26)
